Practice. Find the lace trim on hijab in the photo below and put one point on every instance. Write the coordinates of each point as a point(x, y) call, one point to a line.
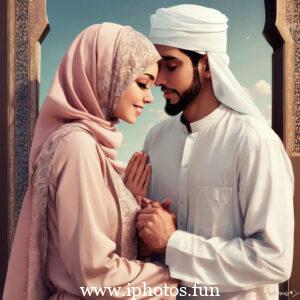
point(129, 64)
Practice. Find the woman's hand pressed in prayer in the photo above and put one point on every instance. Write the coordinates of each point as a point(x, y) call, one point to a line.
point(137, 175)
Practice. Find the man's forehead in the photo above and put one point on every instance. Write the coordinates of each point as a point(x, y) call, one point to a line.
point(166, 60)
point(168, 50)
point(169, 53)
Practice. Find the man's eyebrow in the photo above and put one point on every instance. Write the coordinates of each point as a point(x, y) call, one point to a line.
point(150, 75)
point(168, 57)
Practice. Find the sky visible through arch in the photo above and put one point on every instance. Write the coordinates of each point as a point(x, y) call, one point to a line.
point(250, 54)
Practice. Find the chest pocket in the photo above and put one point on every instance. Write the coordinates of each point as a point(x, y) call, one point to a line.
point(213, 211)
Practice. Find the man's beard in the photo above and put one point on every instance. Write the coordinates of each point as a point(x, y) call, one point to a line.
point(186, 98)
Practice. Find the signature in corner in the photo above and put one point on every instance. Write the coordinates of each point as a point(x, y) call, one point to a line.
point(294, 293)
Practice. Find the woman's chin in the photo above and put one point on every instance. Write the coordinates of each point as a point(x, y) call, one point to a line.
point(129, 120)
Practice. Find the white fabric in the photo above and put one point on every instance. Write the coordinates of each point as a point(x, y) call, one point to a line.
point(203, 30)
point(181, 24)
point(226, 87)
point(231, 183)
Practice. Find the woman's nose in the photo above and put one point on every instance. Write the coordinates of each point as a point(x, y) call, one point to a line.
point(148, 98)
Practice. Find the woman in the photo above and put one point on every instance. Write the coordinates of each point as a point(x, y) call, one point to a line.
point(77, 224)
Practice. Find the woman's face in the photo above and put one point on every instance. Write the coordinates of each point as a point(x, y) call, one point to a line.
point(136, 96)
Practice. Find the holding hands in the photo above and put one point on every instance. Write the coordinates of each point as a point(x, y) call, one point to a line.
point(156, 222)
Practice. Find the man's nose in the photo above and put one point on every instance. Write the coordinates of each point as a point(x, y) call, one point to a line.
point(160, 79)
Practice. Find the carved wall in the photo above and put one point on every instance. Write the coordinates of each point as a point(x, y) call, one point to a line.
point(293, 23)
point(23, 26)
point(292, 88)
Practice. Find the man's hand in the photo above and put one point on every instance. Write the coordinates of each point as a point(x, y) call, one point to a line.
point(165, 204)
point(143, 250)
point(156, 224)
point(137, 175)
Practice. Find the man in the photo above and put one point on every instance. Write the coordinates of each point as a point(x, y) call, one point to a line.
point(226, 171)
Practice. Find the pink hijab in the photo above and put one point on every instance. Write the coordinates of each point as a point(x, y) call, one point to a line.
point(90, 80)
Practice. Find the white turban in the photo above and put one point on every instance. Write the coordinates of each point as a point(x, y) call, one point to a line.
point(203, 30)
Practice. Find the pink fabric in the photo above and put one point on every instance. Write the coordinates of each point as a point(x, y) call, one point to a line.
point(92, 76)
point(89, 82)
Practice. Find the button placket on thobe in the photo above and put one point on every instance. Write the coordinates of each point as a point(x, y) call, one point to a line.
point(183, 197)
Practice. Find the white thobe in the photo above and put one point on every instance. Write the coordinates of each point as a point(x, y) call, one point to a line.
point(231, 183)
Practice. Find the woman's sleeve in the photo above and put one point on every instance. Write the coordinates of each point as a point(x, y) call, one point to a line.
point(85, 245)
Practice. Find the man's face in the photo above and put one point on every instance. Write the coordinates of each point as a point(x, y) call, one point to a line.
point(178, 80)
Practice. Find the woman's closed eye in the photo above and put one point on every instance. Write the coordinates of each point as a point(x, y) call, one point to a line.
point(142, 85)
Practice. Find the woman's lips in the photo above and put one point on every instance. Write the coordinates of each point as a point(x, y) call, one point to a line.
point(138, 109)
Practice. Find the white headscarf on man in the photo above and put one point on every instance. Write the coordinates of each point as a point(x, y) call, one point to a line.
point(203, 30)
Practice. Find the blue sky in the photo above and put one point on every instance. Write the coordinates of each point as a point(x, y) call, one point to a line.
point(250, 54)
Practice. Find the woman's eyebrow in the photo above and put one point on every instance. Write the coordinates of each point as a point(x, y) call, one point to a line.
point(150, 76)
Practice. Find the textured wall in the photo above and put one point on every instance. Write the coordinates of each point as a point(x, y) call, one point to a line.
point(28, 24)
point(293, 22)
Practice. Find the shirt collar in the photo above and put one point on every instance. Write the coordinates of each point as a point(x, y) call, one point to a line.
point(205, 122)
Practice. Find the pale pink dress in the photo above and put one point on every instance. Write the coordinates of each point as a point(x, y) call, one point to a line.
point(76, 226)
point(91, 232)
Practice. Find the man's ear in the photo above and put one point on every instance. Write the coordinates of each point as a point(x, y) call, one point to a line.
point(204, 67)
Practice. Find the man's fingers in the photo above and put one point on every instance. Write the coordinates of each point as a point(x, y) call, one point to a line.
point(140, 224)
point(145, 218)
point(173, 218)
point(145, 205)
point(148, 210)
point(145, 202)
point(143, 234)
point(155, 204)
point(166, 203)
point(150, 206)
